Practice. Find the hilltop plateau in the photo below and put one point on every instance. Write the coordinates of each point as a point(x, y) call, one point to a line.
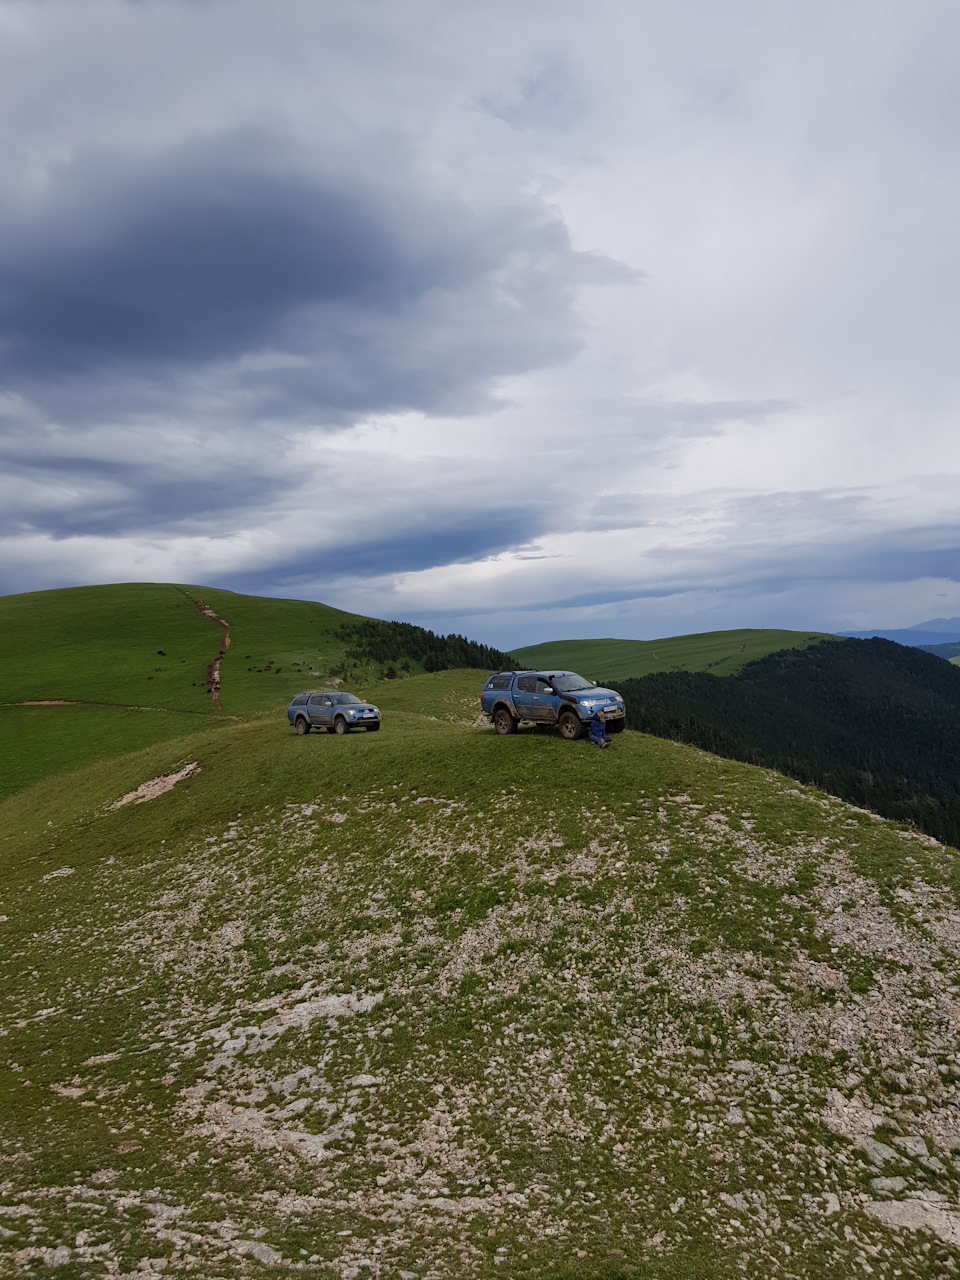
point(431, 1003)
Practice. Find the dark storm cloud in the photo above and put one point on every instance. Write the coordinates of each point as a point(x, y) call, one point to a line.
point(446, 539)
point(176, 328)
point(191, 256)
point(378, 295)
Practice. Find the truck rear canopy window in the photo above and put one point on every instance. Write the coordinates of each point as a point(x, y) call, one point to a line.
point(499, 682)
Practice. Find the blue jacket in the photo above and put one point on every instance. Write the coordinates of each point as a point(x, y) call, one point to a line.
point(598, 729)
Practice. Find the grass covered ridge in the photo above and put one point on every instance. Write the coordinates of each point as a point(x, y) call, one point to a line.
point(718, 652)
point(432, 1003)
point(139, 652)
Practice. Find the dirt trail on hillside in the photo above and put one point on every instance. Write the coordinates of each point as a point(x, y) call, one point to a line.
point(213, 668)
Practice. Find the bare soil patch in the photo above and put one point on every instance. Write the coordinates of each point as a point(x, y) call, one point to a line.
point(155, 787)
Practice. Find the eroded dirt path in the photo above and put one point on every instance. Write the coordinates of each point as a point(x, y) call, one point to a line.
point(213, 668)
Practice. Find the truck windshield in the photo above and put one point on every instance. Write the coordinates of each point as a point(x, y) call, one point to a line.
point(569, 682)
point(345, 699)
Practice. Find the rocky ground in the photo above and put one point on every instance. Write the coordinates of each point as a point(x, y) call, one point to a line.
point(712, 1032)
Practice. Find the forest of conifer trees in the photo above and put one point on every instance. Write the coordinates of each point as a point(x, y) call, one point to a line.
point(868, 720)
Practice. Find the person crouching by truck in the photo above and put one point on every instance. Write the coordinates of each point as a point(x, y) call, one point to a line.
point(598, 730)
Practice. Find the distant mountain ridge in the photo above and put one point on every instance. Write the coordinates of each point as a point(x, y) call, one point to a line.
point(935, 632)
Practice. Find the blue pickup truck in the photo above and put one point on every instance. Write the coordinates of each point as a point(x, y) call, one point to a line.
point(336, 712)
point(548, 698)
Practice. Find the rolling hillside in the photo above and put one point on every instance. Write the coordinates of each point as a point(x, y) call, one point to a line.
point(90, 673)
point(432, 1003)
point(149, 643)
point(719, 652)
point(947, 651)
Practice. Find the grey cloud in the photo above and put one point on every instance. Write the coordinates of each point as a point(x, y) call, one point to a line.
point(766, 543)
point(365, 294)
point(769, 545)
point(548, 99)
point(190, 302)
point(170, 323)
point(192, 255)
point(695, 418)
point(127, 481)
point(442, 538)
point(104, 498)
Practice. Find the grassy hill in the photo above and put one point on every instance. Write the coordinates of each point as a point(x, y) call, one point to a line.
point(435, 1003)
point(138, 656)
point(148, 644)
point(432, 1003)
point(719, 652)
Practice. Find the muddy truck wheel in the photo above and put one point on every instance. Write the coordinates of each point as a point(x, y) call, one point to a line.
point(340, 725)
point(570, 726)
point(504, 722)
point(302, 726)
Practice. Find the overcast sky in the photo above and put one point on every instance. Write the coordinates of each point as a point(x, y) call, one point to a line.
point(526, 319)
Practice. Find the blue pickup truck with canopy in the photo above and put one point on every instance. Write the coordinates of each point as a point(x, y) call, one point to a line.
point(334, 711)
point(548, 698)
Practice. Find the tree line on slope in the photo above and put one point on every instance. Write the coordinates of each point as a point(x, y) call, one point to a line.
point(871, 721)
point(401, 643)
point(949, 650)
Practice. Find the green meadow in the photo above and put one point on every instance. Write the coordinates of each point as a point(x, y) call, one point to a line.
point(722, 653)
point(432, 1003)
point(141, 651)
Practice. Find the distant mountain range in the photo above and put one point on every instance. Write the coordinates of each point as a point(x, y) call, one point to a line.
point(938, 631)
